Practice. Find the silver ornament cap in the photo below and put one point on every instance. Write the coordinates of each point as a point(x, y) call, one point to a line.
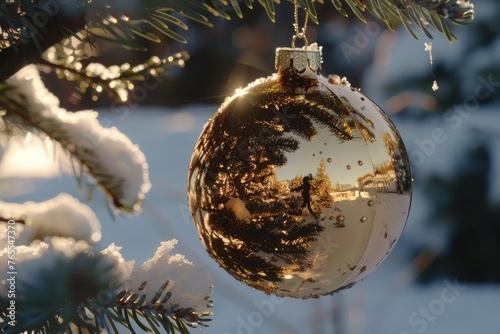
point(306, 60)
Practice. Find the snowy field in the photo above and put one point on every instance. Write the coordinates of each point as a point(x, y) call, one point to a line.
point(386, 302)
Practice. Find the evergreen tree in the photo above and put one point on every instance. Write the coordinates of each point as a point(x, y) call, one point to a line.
point(461, 201)
point(296, 181)
point(323, 185)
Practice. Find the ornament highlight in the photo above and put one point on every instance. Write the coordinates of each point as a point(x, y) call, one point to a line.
point(299, 185)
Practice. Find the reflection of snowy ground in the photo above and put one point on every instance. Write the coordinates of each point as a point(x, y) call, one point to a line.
point(341, 248)
point(350, 195)
point(359, 232)
point(382, 304)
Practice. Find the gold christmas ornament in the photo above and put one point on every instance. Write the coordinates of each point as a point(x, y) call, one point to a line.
point(299, 185)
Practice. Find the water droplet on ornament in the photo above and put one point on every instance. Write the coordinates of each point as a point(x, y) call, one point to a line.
point(314, 154)
point(348, 166)
point(329, 160)
point(334, 79)
point(404, 211)
point(258, 226)
point(360, 163)
point(332, 217)
point(363, 219)
point(362, 98)
point(320, 152)
point(324, 144)
point(340, 218)
point(371, 203)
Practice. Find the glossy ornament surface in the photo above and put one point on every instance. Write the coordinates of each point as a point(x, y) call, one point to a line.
point(299, 185)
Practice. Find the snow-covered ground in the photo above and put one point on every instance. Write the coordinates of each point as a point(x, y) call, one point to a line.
point(386, 302)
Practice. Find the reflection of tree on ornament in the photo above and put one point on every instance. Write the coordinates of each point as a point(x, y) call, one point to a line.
point(296, 181)
point(322, 186)
point(240, 167)
point(399, 162)
point(305, 190)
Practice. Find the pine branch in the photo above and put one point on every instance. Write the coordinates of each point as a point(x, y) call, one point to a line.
point(96, 148)
point(53, 306)
point(421, 13)
point(4, 219)
point(25, 37)
point(116, 80)
point(62, 286)
point(29, 28)
point(127, 307)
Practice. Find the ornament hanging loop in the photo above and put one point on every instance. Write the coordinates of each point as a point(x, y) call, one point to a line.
point(299, 34)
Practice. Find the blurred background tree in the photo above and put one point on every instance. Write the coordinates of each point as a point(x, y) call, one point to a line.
point(456, 171)
point(462, 202)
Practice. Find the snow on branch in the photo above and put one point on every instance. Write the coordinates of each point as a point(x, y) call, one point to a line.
point(173, 275)
point(62, 216)
point(62, 286)
point(46, 280)
point(118, 166)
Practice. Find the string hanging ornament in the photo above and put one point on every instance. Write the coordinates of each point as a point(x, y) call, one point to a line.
point(299, 185)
